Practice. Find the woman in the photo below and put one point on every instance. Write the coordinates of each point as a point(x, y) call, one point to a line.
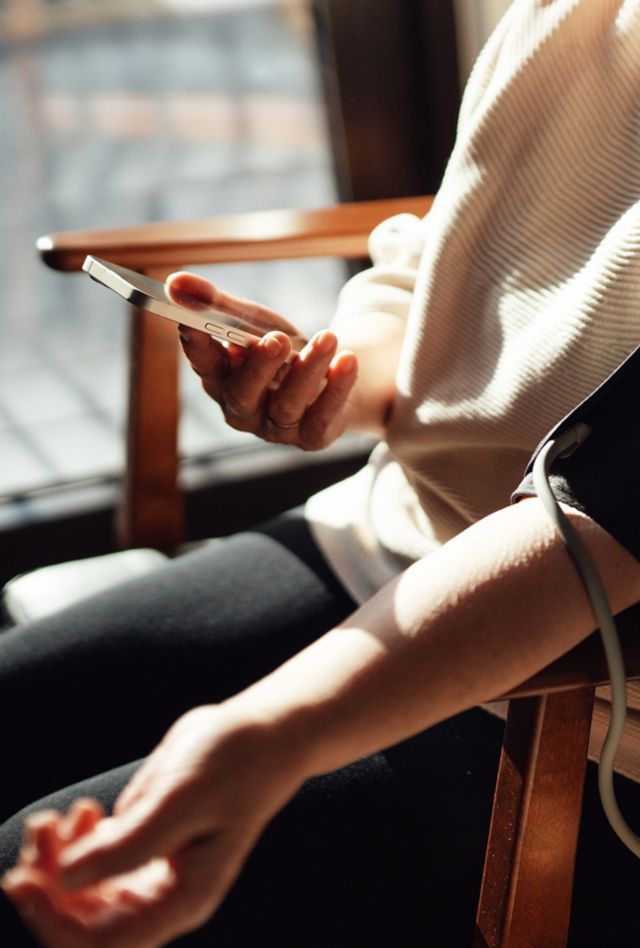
point(326, 752)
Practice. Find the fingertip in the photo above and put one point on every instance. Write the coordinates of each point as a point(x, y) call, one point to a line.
point(189, 290)
point(324, 342)
point(274, 345)
point(11, 880)
point(41, 838)
point(22, 886)
point(85, 806)
point(83, 815)
point(34, 821)
point(345, 363)
point(348, 359)
point(187, 282)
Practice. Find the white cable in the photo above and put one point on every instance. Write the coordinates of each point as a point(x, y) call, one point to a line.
point(598, 597)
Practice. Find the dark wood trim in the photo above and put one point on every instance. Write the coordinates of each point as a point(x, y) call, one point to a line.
point(525, 898)
point(390, 77)
point(151, 511)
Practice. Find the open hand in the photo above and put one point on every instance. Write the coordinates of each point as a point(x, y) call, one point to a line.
point(304, 404)
point(161, 865)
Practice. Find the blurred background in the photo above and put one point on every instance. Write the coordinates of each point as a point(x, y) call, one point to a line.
point(122, 113)
point(117, 113)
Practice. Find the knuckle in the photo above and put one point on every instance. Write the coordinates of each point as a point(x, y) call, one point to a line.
point(284, 412)
point(314, 432)
point(234, 407)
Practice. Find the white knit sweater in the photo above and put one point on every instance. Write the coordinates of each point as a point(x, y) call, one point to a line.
point(521, 288)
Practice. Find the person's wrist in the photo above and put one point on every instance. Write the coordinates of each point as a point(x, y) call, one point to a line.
point(277, 736)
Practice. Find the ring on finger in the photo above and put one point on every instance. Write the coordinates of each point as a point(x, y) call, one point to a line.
point(277, 424)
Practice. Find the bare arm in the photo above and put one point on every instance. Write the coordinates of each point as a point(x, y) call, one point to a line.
point(461, 626)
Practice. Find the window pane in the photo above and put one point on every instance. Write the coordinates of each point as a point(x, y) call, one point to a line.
point(119, 113)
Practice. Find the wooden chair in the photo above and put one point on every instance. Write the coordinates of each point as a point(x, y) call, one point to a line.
point(526, 890)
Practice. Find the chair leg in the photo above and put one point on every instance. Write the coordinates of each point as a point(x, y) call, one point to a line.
point(525, 898)
point(151, 508)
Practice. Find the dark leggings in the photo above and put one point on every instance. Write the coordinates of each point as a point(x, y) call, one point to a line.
point(387, 851)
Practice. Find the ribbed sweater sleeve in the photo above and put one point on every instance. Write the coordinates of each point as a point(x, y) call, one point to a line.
point(527, 288)
point(395, 247)
point(529, 284)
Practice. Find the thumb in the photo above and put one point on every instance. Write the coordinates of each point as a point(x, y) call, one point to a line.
point(190, 290)
point(123, 842)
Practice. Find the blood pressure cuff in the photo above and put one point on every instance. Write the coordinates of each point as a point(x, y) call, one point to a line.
point(601, 476)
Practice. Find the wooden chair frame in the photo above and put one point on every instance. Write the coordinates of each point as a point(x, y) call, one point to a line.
point(526, 889)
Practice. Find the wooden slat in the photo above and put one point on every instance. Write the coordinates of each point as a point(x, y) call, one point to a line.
point(389, 72)
point(525, 899)
point(151, 508)
point(340, 231)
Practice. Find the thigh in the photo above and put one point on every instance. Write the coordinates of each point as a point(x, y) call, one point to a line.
point(387, 851)
point(98, 684)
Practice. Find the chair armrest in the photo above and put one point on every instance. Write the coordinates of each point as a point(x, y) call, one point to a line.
point(340, 231)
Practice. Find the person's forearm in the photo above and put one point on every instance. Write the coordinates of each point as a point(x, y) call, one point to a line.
point(376, 339)
point(460, 627)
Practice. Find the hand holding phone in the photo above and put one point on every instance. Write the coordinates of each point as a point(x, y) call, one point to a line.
point(151, 295)
point(302, 403)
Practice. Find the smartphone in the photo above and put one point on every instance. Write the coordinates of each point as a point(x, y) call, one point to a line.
point(151, 295)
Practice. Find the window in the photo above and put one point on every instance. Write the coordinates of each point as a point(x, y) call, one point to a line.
point(120, 113)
